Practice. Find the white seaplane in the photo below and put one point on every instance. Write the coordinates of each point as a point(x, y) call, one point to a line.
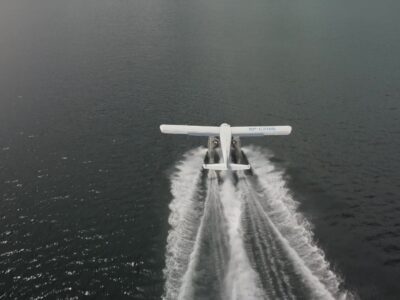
point(228, 137)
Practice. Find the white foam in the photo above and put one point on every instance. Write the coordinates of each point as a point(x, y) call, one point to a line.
point(242, 282)
point(292, 229)
point(184, 219)
point(285, 238)
point(264, 246)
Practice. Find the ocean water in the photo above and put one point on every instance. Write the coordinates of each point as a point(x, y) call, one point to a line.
point(96, 203)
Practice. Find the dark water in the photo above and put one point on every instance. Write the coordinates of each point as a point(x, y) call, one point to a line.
point(84, 170)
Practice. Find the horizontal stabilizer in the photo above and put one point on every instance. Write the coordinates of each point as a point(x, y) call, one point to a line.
point(237, 167)
point(222, 167)
point(190, 130)
point(219, 167)
point(261, 130)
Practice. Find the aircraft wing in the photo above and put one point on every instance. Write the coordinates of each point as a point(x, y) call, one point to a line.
point(261, 130)
point(190, 130)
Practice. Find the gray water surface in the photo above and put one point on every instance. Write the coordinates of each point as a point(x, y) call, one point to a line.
point(84, 170)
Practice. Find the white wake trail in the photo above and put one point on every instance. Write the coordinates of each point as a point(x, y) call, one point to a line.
point(186, 212)
point(263, 248)
point(241, 242)
point(292, 229)
point(242, 282)
point(210, 231)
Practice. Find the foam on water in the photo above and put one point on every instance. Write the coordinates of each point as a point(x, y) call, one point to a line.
point(243, 241)
point(242, 282)
point(197, 276)
point(184, 219)
point(291, 228)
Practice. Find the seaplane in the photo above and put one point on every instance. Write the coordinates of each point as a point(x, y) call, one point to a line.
point(226, 139)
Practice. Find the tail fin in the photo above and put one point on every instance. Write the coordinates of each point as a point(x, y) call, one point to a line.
point(219, 167)
point(237, 167)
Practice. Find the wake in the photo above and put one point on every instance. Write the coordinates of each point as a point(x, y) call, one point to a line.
point(241, 239)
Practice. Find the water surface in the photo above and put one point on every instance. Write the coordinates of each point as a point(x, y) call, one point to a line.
point(85, 173)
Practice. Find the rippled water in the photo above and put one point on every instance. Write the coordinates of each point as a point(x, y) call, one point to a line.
point(243, 239)
point(85, 174)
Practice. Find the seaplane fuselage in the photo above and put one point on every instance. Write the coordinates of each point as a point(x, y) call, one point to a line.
point(225, 137)
point(225, 133)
